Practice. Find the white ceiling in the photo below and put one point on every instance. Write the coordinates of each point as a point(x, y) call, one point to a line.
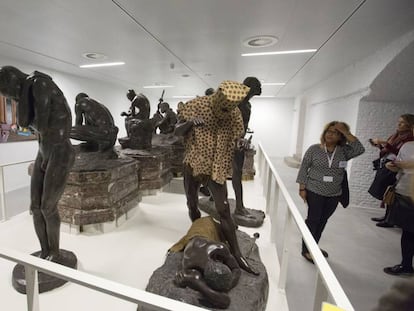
point(202, 38)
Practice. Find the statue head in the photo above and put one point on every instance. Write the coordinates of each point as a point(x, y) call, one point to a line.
point(164, 107)
point(218, 276)
point(131, 94)
point(255, 86)
point(11, 81)
point(209, 91)
point(80, 96)
point(227, 97)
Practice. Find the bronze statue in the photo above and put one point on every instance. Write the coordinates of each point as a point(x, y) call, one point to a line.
point(211, 126)
point(207, 264)
point(43, 107)
point(137, 123)
point(168, 119)
point(94, 124)
point(238, 159)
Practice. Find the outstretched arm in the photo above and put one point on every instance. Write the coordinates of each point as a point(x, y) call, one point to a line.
point(183, 127)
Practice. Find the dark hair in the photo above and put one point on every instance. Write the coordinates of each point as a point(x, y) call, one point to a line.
point(342, 140)
point(209, 91)
point(409, 118)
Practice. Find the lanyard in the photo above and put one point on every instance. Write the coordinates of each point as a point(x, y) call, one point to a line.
point(330, 159)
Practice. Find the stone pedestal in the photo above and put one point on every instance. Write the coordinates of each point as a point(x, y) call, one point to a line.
point(174, 145)
point(154, 164)
point(248, 166)
point(99, 190)
point(250, 293)
point(45, 281)
point(254, 219)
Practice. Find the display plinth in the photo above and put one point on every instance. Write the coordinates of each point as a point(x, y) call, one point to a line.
point(255, 218)
point(175, 147)
point(154, 164)
point(46, 282)
point(250, 293)
point(99, 191)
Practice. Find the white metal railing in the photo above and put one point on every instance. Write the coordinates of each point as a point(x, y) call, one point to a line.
point(327, 283)
point(3, 188)
point(34, 264)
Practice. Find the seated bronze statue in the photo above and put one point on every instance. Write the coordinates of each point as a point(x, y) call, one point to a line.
point(94, 124)
point(138, 125)
point(167, 119)
point(207, 265)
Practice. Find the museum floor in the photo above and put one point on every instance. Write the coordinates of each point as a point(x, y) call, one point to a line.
point(358, 250)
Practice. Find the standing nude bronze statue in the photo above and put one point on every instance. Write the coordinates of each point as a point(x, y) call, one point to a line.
point(238, 159)
point(211, 126)
point(43, 107)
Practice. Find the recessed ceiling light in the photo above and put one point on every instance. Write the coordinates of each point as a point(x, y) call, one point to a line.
point(157, 86)
point(102, 65)
point(261, 41)
point(280, 52)
point(94, 56)
point(273, 83)
point(208, 74)
point(184, 96)
point(185, 75)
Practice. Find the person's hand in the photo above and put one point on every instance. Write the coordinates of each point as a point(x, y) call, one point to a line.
point(403, 164)
point(197, 121)
point(302, 193)
point(342, 128)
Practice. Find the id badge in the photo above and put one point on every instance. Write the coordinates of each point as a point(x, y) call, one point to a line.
point(327, 178)
point(342, 164)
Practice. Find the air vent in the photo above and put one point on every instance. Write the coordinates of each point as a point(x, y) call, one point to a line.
point(260, 41)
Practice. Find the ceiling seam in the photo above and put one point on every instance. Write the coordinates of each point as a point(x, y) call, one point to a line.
point(323, 44)
point(158, 40)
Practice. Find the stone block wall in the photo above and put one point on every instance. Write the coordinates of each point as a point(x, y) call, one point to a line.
point(375, 119)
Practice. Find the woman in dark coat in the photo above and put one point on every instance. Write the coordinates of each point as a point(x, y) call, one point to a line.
point(388, 151)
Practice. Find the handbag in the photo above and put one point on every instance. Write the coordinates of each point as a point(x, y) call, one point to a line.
point(389, 194)
point(344, 198)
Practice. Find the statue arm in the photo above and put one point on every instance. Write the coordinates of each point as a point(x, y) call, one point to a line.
point(41, 94)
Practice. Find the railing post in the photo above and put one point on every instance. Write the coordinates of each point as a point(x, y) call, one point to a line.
point(285, 251)
point(268, 187)
point(321, 293)
point(259, 160)
point(266, 170)
point(32, 289)
point(2, 196)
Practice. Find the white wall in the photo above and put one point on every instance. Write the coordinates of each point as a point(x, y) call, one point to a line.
point(375, 120)
point(339, 98)
point(272, 123)
point(112, 96)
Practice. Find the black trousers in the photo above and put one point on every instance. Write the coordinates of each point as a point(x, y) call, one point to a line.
point(320, 208)
point(407, 249)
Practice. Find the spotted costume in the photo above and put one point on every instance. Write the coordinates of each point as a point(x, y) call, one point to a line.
point(209, 148)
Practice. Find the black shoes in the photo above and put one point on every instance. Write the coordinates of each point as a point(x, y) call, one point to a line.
point(384, 224)
point(307, 256)
point(399, 270)
point(378, 219)
point(324, 253)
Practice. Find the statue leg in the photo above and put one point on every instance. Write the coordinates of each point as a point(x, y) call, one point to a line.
point(227, 225)
point(238, 161)
point(193, 279)
point(36, 189)
point(54, 183)
point(191, 186)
